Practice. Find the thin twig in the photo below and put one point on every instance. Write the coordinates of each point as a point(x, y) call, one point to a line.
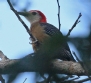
point(1, 79)
point(83, 80)
point(74, 25)
point(59, 14)
point(74, 80)
point(19, 18)
point(76, 56)
point(2, 56)
point(83, 65)
point(25, 80)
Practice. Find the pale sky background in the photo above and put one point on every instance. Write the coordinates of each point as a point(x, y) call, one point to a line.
point(15, 40)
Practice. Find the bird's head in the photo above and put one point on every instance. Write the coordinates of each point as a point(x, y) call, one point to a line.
point(34, 16)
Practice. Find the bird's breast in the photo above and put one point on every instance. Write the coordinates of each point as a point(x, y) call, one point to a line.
point(38, 32)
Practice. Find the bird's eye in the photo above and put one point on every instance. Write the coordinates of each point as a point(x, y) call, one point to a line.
point(34, 13)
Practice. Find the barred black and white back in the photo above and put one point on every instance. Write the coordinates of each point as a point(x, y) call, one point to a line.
point(65, 53)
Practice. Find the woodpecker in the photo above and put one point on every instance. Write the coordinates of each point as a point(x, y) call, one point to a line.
point(41, 31)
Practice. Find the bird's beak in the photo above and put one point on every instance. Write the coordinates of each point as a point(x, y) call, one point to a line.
point(23, 13)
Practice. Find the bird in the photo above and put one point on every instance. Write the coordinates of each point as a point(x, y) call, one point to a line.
point(42, 31)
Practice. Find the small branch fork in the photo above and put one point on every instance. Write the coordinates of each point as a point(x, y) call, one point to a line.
point(3, 58)
point(74, 25)
point(19, 18)
point(59, 14)
point(83, 65)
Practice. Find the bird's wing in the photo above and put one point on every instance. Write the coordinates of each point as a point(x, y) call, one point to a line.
point(52, 30)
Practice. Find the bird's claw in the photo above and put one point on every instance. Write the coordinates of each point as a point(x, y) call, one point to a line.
point(33, 42)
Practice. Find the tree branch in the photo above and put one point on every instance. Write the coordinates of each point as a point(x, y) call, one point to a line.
point(83, 66)
point(59, 14)
point(59, 67)
point(74, 25)
point(19, 18)
point(1, 79)
point(3, 58)
point(29, 63)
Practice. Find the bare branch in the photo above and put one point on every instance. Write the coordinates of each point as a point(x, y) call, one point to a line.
point(2, 56)
point(32, 64)
point(1, 79)
point(83, 80)
point(68, 67)
point(25, 80)
point(19, 18)
point(74, 25)
point(59, 14)
point(83, 65)
point(60, 67)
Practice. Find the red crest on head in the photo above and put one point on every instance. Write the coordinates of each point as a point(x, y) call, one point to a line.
point(43, 19)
